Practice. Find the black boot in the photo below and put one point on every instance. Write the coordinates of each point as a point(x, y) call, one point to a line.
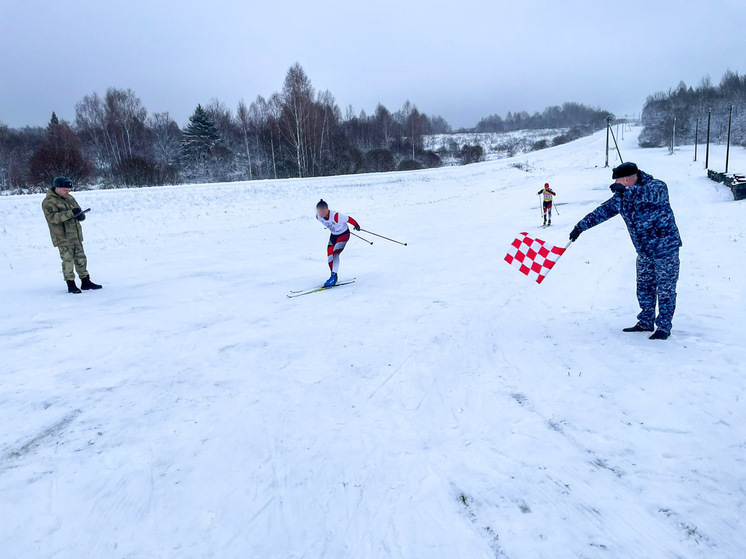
point(660, 335)
point(88, 284)
point(637, 328)
point(71, 287)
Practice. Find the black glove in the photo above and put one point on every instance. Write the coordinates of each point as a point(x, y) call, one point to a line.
point(575, 233)
point(78, 214)
point(617, 188)
point(357, 227)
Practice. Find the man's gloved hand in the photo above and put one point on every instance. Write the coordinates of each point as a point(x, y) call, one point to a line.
point(617, 188)
point(575, 233)
point(78, 214)
point(357, 227)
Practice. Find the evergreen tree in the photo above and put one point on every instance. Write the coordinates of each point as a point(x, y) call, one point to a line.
point(201, 136)
point(55, 133)
point(59, 154)
point(54, 122)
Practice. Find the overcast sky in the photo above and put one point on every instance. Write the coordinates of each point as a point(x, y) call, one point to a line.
point(462, 59)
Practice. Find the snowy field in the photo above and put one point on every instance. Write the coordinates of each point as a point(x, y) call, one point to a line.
point(443, 406)
point(496, 145)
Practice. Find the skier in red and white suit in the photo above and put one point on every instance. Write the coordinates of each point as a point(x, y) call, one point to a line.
point(337, 224)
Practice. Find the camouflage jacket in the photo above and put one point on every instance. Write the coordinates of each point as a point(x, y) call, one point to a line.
point(646, 212)
point(64, 229)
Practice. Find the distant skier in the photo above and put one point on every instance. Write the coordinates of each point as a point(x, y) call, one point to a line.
point(63, 216)
point(643, 203)
point(337, 224)
point(547, 195)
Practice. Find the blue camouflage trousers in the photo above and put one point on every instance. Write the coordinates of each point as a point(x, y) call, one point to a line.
point(656, 283)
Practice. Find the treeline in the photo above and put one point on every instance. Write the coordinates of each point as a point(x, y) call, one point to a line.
point(296, 132)
point(688, 104)
point(569, 115)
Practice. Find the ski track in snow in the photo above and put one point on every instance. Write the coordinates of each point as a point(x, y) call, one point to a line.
point(442, 406)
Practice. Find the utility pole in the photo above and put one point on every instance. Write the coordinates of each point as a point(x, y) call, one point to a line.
point(608, 128)
point(727, 150)
point(673, 136)
point(412, 117)
point(707, 155)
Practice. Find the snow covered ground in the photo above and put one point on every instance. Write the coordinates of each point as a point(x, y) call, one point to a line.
point(443, 406)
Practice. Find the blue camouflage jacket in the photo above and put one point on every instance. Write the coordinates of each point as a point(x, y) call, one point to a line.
point(646, 212)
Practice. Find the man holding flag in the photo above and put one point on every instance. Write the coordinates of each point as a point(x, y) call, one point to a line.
point(643, 203)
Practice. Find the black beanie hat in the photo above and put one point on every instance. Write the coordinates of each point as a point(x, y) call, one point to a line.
point(624, 170)
point(62, 182)
point(322, 204)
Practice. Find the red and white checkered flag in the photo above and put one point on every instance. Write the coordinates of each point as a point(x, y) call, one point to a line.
point(533, 257)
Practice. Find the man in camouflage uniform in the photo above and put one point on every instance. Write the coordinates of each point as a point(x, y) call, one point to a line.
point(643, 203)
point(63, 216)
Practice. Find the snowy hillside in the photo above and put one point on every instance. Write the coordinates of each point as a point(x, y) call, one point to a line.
point(442, 406)
point(496, 145)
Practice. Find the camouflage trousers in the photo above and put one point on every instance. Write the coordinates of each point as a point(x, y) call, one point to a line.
point(73, 258)
point(656, 283)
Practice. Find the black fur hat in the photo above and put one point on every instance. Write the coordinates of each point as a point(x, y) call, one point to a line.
point(62, 182)
point(624, 170)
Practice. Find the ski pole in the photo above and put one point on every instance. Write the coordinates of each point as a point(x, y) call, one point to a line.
point(555, 209)
point(361, 238)
point(382, 237)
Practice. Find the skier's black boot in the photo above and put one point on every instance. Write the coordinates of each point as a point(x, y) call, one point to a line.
point(87, 284)
point(71, 287)
point(660, 335)
point(637, 328)
point(545, 221)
